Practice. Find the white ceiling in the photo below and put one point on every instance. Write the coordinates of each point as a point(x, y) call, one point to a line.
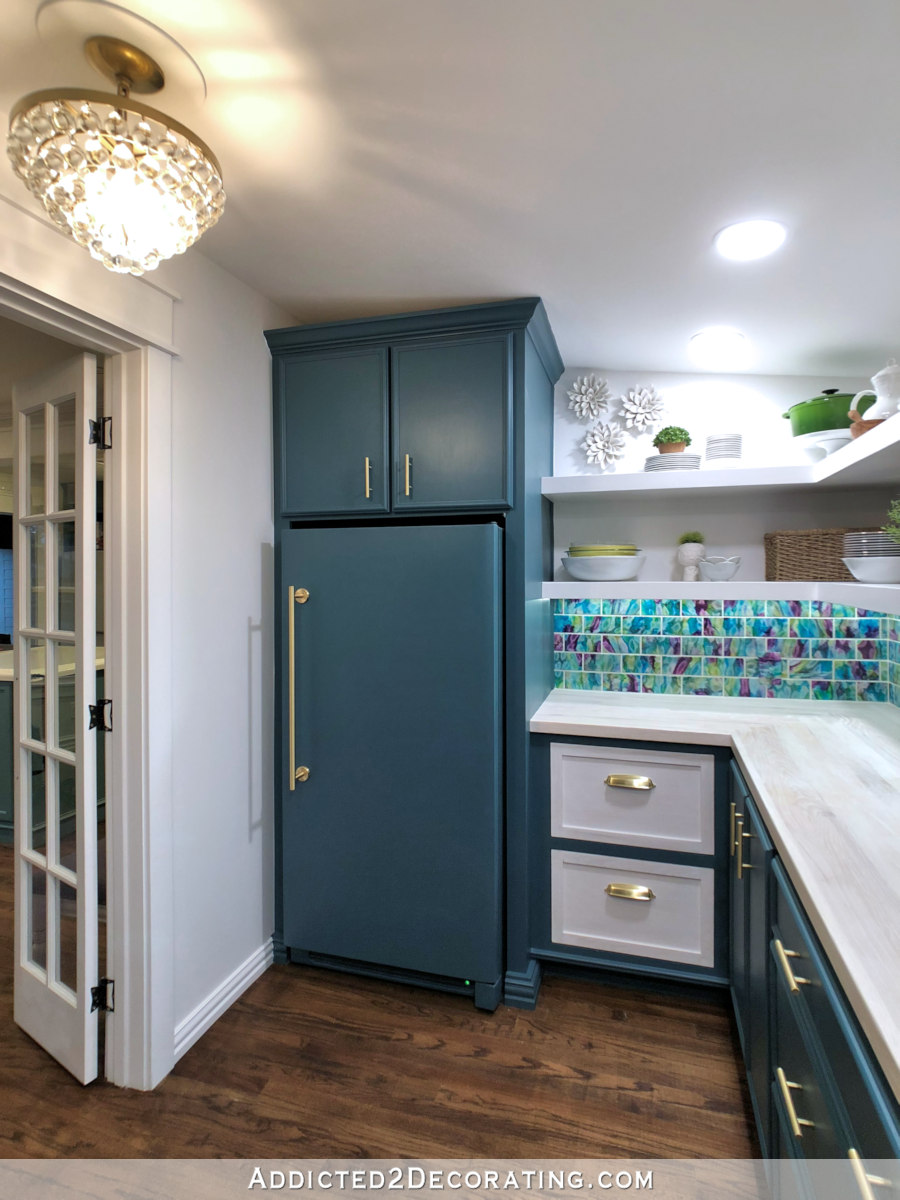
point(385, 155)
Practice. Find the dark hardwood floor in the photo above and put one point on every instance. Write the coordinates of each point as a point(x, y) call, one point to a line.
point(312, 1064)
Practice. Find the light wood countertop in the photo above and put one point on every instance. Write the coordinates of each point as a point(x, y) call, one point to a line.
point(826, 777)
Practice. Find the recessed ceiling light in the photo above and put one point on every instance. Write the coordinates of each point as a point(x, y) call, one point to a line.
point(750, 239)
point(720, 348)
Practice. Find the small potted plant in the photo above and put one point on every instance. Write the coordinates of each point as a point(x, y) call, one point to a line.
point(690, 551)
point(672, 440)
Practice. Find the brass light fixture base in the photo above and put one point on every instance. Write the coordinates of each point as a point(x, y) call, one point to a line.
point(127, 66)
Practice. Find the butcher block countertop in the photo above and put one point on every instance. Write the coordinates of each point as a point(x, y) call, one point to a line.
point(826, 777)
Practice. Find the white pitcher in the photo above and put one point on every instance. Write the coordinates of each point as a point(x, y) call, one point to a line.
point(887, 393)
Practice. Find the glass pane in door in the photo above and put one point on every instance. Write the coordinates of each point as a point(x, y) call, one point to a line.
point(65, 696)
point(67, 932)
point(65, 575)
point(36, 805)
point(65, 455)
point(37, 576)
point(65, 809)
point(35, 459)
point(36, 917)
point(36, 651)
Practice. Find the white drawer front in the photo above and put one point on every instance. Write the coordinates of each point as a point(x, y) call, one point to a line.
point(678, 924)
point(677, 813)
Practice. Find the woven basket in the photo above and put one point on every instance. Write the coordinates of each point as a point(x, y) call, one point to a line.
point(807, 554)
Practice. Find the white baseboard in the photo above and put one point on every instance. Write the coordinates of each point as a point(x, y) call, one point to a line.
point(193, 1027)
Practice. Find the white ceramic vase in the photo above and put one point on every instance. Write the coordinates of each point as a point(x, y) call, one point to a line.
point(689, 555)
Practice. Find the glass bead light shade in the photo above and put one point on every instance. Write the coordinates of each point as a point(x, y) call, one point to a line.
point(124, 180)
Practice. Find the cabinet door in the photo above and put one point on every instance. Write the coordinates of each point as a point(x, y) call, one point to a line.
point(391, 700)
point(332, 433)
point(452, 423)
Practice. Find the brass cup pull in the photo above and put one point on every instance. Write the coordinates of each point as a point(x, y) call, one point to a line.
point(629, 891)
point(865, 1182)
point(786, 1087)
point(301, 774)
point(368, 473)
point(638, 783)
point(783, 955)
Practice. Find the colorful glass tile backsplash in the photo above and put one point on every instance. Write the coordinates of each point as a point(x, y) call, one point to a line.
point(784, 649)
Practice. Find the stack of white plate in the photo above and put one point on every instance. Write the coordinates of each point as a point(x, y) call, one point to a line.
point(678, 461)
point(870, 545)
point(724, 451)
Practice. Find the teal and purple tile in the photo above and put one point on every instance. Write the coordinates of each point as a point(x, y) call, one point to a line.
point(682, 626)
point(856, 668)
point(697, 647)
point(723, 626)
point(726, 667)
point(567, 623)
point(746, 647)
point(894, 673)
point(877, 692)
point(566, 661)
point(749, 688)
point(661, 685)
point(744, 608)
point(583, 606)
point(640, 664)
point(817, 648)
point(809, 668)
point(702, 685)
point(702, 608)
point(682, 665)
point(616, 643)
point(827, 689)
point(602, 662)
point(767, 627)
point(622, 683)
point(788, 689)
point(859, 627)
point(811, 627)
point(870, 649)
point(787, 608)
point(660, 645)
point(621, 608)
point(644, 624)
point(592, 681)
point(597, 624)
point(797, 648)
point(895, 694)
point(767, 666)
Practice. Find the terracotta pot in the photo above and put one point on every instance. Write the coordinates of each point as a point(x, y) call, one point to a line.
point(859, 426)
point(672, 447)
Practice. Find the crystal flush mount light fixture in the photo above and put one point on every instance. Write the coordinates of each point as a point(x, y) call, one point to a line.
point(127, 182)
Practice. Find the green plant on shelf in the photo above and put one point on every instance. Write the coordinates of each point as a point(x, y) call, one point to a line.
point(692, 535)
point(892, 525)
point(672, 434)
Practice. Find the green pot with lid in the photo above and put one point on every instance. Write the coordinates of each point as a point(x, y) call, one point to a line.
point(828, 411)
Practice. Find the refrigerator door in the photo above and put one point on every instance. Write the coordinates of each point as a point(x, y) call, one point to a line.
point(391, 835)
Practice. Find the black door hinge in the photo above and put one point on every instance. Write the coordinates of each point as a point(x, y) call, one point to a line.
point(103, 996)
point(98, 716)
point(101, 433)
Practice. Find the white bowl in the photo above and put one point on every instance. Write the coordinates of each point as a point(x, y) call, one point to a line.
point(716, 569)
point(604, 566)
point(874, 569)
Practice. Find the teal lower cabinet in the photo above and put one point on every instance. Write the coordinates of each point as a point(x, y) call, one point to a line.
point(817, 1090)
point(629, 858)
point(750, 854)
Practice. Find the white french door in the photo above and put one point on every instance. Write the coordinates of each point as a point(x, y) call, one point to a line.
point(56, 956)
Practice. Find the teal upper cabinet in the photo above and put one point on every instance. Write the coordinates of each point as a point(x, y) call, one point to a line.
point(334, 432)
point(450, 408)
point(403, 414)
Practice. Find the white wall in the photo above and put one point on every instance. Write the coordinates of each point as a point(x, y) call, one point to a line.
point(222, 620)
point(732, 524)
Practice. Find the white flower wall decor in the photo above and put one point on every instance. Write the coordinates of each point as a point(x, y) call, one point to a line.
point(604, 444)
point(642, 408)
point(588, 397)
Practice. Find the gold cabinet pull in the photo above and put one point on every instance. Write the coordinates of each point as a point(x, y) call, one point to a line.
point(301, 774)
point(783, 955)
point(739, 848)
point(639, 783)
point(786, 1087)
point(735, 816)
point(865, 1182)
point(408, 476)
point(368, 473)
point(629, 891)
point(295, 596)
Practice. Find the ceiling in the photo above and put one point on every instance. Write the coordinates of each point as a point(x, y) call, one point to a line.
point(386, 155)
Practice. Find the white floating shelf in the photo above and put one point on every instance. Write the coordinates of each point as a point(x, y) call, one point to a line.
point(870, 460)
point(877, 597)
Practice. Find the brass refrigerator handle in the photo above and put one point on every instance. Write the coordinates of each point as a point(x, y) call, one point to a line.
point(408, 476)
point(295, 596)
point(864, 1180)
point(368, 485)
point(640, 783)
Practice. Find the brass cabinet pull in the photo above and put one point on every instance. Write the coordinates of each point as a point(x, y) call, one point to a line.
point(408, 469)
point(629, 891)
point(368, 487)
point(739, 847)
point(302, 774)
point(783, 955)
point(640, 783)
point(295, 596)
point(864, 1180)
point(785, 1085)
point(735, 815)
